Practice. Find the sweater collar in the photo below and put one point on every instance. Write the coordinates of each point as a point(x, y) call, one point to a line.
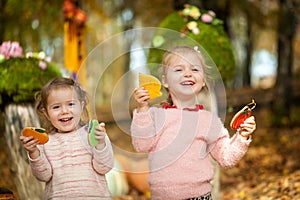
point(197, 107)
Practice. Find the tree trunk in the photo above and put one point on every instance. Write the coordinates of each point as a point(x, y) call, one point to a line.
point(16, 118)
point(286, 31)
point(249, 51)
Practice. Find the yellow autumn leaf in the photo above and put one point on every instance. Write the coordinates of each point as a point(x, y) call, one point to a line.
point(242, 194)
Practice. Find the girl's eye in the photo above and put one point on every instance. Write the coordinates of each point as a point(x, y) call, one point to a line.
point(177, 69)
point(71, 104)
point(196, 68)
point(55, 107)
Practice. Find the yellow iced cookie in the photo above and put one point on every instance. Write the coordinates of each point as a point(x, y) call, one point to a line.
point(150, 83)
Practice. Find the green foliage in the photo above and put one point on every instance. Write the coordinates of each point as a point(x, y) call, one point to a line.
point(21, 78)
point(211, 37)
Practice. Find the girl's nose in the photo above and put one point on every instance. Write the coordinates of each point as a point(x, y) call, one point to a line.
point(187, 73)
point(64, 109)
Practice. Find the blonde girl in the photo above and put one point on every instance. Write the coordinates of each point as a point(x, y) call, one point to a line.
point(180, 135)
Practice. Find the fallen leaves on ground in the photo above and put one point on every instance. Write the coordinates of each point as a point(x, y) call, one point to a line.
point(270, 169)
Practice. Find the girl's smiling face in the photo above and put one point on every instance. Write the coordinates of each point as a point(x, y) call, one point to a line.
point(64, 109)
point(184, 77)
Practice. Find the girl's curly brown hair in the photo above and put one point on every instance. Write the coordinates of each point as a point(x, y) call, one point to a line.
point(41, 101)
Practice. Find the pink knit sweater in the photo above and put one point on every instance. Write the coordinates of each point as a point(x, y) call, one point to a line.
point(178, 143)
point(71, 168)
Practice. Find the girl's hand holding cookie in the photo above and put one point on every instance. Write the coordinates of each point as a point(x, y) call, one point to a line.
point(30, 145)
point(100, 134)
point(248, 127)
point(142, 98)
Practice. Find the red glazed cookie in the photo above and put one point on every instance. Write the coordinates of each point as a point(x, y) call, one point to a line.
point(242, 115)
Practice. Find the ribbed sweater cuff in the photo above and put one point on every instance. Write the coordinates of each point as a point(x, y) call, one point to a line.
point(104, 155)
point(142, 119)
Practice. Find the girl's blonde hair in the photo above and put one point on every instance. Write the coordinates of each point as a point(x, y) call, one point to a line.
point(41, 101)
point(181, 51)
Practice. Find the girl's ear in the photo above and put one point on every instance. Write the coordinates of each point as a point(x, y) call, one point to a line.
point(164, 81)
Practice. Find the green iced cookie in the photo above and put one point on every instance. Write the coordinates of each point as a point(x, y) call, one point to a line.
point(92, 125)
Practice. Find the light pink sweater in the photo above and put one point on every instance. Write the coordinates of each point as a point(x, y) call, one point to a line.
point(178, 143)
point(71, 168)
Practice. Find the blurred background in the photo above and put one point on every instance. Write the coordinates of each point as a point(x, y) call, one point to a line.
point(264, 40)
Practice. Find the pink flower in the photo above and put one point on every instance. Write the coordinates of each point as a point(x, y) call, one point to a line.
point(16, 50)
point(11, 49)
point(43, 65)
point(48, 59)
point(206, 18)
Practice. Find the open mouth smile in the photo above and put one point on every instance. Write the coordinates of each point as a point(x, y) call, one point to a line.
point(187, 83)
point(64, 120)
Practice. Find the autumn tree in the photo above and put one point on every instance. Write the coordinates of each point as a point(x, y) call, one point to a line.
point(286, 32)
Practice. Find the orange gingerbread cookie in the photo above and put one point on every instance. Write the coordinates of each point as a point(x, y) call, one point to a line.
point(36, 133)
